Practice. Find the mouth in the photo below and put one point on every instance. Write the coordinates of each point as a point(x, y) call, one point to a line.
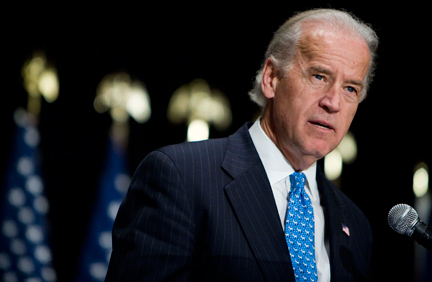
point(322, 124)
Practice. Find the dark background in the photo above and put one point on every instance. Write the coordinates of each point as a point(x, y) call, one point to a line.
point(166, 46)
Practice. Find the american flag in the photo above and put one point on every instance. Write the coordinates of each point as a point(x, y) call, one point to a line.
point(345, 229)
point(112, 189)
point(25, 254)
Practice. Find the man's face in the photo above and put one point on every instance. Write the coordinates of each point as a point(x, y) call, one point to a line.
point(314, 103)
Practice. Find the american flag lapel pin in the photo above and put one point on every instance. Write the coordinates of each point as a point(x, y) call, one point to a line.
point(345, 229)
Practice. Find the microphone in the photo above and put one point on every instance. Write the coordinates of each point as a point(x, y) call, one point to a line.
point(404, 219)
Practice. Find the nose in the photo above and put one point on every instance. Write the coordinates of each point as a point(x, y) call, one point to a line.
point(331, 100)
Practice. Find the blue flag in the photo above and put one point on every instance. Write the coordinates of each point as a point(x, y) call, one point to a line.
point(98, 245)
point(25, 254)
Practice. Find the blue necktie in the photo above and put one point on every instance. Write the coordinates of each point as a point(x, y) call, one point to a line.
point(300, 230)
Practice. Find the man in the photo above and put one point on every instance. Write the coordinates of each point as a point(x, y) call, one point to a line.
point(255, 206)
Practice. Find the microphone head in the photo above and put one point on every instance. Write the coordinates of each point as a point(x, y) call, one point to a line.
point(402, 218)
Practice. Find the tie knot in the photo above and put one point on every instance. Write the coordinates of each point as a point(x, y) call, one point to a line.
point(297, 180)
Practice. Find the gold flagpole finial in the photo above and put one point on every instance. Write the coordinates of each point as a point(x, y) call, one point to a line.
point(122, 97)
point(199, 106)
point(40, 79)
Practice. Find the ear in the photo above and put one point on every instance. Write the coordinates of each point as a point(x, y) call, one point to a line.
point(270, 79)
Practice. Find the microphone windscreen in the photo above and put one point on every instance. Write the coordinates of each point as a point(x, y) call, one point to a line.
point(402, 219)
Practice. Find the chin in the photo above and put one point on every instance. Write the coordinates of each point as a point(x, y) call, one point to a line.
point(319, 151)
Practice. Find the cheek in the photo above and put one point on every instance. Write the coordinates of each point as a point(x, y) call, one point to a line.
point(289, 113)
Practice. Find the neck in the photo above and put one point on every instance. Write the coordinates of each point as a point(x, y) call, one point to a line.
point(298, 161)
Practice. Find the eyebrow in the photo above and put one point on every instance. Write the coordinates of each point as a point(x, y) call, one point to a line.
point(320, 70)
point(329, 72)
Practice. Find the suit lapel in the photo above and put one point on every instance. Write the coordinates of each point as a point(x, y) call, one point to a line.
point(253, 203)
point(333, 210)
point(334, 219)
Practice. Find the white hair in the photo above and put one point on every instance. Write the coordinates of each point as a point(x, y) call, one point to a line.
point(283, 46)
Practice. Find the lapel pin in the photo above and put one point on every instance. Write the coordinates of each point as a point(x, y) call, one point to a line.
point(345, 229)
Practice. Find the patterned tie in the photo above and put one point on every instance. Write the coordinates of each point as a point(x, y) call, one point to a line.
point(300, 230)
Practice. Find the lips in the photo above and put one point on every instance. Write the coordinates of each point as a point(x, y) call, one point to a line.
point(322, 124)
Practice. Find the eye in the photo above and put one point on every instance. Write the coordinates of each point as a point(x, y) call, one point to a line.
point(319, 77)
point(351, 89)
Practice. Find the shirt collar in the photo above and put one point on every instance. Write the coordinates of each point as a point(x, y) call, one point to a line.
point(275, 164)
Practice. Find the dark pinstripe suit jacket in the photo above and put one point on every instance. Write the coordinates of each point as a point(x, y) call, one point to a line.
point(204, 211)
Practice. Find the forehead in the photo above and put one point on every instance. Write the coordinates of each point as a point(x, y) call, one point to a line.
point(335, 48)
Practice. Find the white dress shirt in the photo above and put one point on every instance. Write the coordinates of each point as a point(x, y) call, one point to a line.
point(278, 170)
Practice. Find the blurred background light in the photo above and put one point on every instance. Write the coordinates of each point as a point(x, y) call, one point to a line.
point(199, 106)
point(345, 152)
point(123, 98)
point(198, 130)
point(40, 79)
point(48, 85)
point(348, 148)
point(138, 103)
point(421, 180)
point(423, 206)
point(333, 165)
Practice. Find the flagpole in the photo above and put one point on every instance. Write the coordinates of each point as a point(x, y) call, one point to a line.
point(115, 94)
point(25, 253)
